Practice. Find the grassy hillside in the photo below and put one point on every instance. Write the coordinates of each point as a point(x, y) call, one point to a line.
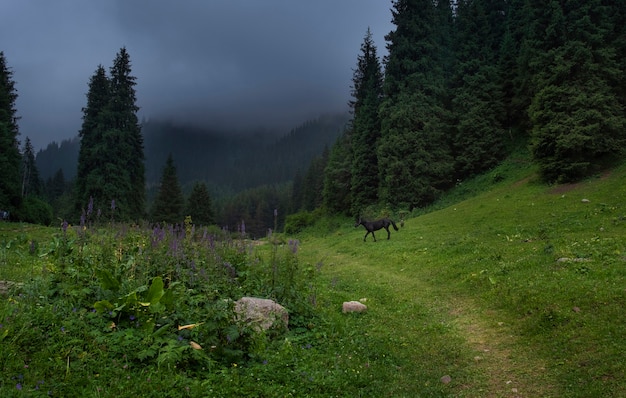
point(505, 288)
point(518, 291)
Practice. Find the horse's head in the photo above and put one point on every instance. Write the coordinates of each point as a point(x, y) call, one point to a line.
point(358, 222)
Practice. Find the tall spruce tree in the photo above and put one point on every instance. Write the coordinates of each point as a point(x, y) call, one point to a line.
point(367, 92)
point(337, 195)
point(111, 159)
point(31, 182)
point(477, 103)
point(413, 153)
point(169, 202)
point(92, 155)
point(577, 118)
point(10, 198)
point(126, 128)
point(199, 205)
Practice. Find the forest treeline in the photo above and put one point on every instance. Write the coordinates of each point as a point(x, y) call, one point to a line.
point(460, 84)
point(228, 163)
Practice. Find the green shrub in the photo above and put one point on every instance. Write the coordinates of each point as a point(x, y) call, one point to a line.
point(35, 211)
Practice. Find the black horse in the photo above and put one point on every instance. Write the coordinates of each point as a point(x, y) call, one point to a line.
point(372, 226)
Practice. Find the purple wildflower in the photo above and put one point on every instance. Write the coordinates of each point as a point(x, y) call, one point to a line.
point(243, 228)
point(90, 206)
point(18, 386)
point(232, 272)
point(64, 226)
point(293, 245)
point(113, 204)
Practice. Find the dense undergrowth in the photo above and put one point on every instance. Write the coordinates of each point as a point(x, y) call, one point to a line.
point(115, 309)
point(506, 287)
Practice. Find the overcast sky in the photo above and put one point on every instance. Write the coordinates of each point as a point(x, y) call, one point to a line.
point(237, 63)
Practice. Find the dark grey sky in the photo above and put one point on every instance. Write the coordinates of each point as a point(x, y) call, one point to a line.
point(238, 63)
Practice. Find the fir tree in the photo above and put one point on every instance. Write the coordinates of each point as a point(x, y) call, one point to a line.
point(367, 93)
point(577, 118)
point(413, 154)
point(127, 130)
point(10, 158)
point(92, 154)
point(111, 159)
point(199, 205)
point(31, 182)
point(477, 96)
point(337, 195)
point(169, 202)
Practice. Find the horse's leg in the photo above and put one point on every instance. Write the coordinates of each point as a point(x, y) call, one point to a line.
point(388, 233)
point(365, 237)
point(373, 236)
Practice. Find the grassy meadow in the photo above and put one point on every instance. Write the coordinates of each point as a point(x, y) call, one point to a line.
point(505, 288)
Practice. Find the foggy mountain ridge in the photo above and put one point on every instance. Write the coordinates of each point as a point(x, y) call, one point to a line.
point(230, 161)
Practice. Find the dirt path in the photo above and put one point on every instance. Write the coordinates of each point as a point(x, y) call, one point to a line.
point(513, 370)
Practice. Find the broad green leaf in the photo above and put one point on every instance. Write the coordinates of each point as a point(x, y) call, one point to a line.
point(103, 306)
point(156, 290)
point(107, 280)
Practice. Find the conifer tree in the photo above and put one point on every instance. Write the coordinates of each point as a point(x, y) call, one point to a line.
point(577, 118)
point(169, 202)
point(126, 128)
point(337, 195)
point(10, 158)
point(31, 182)
point(92, 154)
point(199, 205)
point(477, 103)
point(111, 159)
point(367, 96)
point(314, 182)
point(413, 154)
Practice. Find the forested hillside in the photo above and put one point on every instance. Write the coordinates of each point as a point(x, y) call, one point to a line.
point(231, 161)
point(464, 82)
point(461, 85)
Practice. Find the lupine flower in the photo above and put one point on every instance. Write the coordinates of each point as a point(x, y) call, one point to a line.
point(64, 226)
point(90, 206)
point(293, 244)
point(232, 272)
point(113, 204)
point(243, 228)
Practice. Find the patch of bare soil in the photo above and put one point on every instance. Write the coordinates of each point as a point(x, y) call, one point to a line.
point(563, 188)
point(513, 372)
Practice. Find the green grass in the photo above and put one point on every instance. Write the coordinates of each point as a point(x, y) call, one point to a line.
point(509, 287)
point(476, 291)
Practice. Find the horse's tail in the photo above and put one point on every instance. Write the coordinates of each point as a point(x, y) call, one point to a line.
point(394, 224)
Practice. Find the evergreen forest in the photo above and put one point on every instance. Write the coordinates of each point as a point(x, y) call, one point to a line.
point(462, 84)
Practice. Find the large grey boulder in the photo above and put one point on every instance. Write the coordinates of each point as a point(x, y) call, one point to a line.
point(261, 314)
